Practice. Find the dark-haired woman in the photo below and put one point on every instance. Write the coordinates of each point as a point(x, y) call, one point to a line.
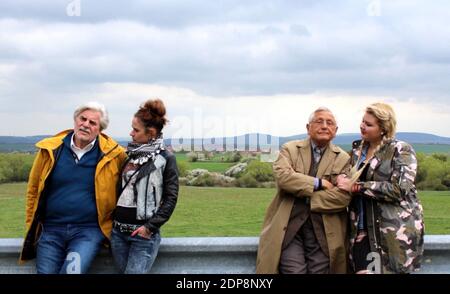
point(147, 192)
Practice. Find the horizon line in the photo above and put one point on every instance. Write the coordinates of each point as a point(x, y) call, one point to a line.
point(245, 134)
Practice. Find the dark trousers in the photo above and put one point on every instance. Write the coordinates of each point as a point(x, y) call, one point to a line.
point(304, 255)
point(360, 252)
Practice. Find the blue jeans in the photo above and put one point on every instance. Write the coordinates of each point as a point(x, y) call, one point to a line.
point(68, 248)
point(134, 255)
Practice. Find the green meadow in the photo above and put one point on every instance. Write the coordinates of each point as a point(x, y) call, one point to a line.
point(214, 211)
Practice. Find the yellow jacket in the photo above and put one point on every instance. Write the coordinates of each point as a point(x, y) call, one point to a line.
point(106, 176)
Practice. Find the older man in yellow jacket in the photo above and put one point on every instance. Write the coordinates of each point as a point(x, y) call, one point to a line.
point(71, 194)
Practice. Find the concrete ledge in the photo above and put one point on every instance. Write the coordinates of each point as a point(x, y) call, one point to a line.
point(218, 255)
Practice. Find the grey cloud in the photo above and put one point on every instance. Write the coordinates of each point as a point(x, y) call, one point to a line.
point(300, 30)
point(226, 48)
point(160, 13)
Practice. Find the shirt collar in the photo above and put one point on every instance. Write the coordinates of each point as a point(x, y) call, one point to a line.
point(363, 156)
point(313, 145)
point(86, 148)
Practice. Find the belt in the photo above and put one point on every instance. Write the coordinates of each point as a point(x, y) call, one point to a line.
point(125, 228)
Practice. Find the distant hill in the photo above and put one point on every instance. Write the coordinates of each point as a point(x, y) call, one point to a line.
point(422, 138)
point(413, 138)
point(21, 140)
point(243, 142)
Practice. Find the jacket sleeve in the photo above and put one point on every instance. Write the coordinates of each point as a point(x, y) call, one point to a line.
point(334, 200)
point(404, 170)
point(33, 187)
point(287, 178)
point(169, 197)
point(330, 201)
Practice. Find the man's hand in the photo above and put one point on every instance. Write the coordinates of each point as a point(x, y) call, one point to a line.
point(326, 185)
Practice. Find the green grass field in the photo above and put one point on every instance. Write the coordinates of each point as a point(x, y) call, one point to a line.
point(214, 211)
point(12, 210)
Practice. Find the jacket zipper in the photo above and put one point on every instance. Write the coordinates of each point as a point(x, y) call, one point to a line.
point(146, 194)
point(154, 199)
point(56, 154)
point(376, 228)
point(102, 155)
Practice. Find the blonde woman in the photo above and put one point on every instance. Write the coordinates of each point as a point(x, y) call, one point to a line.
point(386, 216)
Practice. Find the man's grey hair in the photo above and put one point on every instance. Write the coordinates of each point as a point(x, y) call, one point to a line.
point(320, 109)
point(95, 106)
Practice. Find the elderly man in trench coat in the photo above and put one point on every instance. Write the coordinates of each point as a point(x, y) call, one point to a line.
point(305, 228)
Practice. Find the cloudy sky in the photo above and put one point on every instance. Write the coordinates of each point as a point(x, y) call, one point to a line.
point(224, 67)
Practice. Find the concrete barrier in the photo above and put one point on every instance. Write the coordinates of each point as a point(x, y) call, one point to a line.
point(218, 255)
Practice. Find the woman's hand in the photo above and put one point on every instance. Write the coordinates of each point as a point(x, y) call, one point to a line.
point(143, 232)
point(344, 183)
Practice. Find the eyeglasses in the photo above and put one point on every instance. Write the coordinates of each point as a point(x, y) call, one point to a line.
point(328, 123)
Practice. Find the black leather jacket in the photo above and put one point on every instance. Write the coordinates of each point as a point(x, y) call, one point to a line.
point(156, 190)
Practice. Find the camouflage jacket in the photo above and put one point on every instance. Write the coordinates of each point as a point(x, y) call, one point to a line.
point(394, 215)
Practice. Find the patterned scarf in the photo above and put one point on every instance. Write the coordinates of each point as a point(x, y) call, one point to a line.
point(141, 153)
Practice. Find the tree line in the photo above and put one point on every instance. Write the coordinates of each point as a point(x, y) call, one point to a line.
point(433, 170)
point(15, 167)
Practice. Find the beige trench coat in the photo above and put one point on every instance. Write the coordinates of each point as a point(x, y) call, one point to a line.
point(291, 173)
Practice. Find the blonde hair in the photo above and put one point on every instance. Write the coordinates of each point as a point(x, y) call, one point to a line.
point(385, 116)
